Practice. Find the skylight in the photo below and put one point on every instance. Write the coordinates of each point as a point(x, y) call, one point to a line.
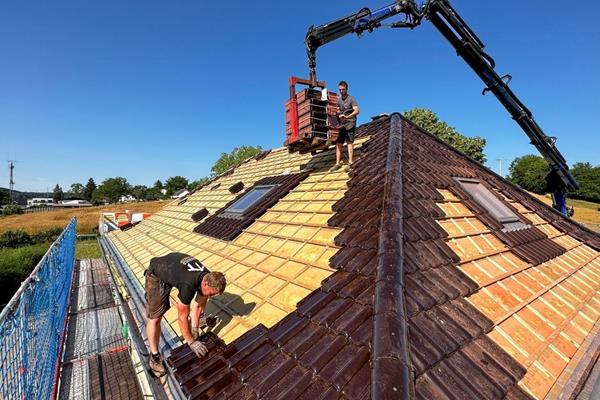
point(482, 196)
point(248, 200)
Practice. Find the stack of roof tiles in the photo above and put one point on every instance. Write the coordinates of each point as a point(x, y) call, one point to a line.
point(423, 294)
point(313, 118)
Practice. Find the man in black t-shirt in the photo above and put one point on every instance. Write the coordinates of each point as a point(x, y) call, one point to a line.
point(192, 280)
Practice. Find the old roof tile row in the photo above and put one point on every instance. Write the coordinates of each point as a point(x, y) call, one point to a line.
point(490, 312)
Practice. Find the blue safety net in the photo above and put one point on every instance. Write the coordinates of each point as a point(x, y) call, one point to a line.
point(33, 322)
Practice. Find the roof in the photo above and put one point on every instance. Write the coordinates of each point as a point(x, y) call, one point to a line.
point(390, 282)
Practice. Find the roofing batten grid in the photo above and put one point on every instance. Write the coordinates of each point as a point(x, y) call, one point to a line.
point(321, 348)
point(289, 245)
point(491, 311)
point(522, 281)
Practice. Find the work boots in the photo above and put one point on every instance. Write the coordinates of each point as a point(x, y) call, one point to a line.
point(156, 365)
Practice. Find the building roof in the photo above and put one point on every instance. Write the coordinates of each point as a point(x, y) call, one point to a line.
point(389, 282)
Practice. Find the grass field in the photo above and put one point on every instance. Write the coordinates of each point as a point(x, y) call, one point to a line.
point(87, 218)
point(87, 249)
point(586, 212)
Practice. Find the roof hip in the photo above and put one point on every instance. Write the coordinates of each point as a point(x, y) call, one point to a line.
point(391, 373)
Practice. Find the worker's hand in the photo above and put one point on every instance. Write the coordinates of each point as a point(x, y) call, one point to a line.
point(195, 332)
point(198, 348)
point(209, 321)
point(343, 116)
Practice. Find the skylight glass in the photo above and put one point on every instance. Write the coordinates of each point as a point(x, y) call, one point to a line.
point(482, 196)
point(248, 200)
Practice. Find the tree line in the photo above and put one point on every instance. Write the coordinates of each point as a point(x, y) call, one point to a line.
point(529, 172)
point(112, 189)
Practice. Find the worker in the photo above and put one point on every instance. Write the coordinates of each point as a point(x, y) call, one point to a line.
point(191, 278)
point(347, 110)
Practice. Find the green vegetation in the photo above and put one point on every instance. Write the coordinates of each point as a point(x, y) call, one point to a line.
point(175, 183)
point(11, 209)
point(235, 157)
point(87, 249)
point(57, 194)
point(588, 178)
point(111, 190)
point(16, 265)
point(90, 187)
point(428, 120)
point(529, 173)
point(17, 238)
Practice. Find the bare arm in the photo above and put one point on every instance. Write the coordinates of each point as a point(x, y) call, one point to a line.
point(183, 312)
point(355, 111)
point(198, 308)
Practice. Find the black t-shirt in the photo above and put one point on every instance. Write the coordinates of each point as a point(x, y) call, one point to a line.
point(181, 271)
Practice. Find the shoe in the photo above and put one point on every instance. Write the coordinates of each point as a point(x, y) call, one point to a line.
point(347, 167)
point(156, 365)
point(335, 167)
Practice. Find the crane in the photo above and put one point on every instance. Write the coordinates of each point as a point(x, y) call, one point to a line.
point(468, 46)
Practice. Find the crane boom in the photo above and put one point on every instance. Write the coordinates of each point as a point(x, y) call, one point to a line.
point(468, 46)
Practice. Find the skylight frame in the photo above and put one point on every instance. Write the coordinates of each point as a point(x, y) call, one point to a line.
point(236, 211)
point(497, 209)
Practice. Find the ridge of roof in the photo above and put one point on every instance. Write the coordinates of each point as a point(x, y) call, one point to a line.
point(391, 374)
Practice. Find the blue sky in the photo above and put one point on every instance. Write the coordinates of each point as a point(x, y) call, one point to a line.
point(147, 90)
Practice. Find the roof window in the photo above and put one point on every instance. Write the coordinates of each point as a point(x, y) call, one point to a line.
point(486, 199)
point(241, 212)
point(252, 197)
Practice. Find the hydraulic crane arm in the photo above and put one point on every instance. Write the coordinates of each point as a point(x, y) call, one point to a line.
point(468, 46)
point(363, 20)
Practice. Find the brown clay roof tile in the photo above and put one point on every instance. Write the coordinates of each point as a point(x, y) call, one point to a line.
point(473, 328)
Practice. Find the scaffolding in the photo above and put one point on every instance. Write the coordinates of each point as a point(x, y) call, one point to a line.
point(32, 324)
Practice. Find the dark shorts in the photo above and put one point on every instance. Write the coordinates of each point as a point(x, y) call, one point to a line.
point(346, 135)
point(157, 296)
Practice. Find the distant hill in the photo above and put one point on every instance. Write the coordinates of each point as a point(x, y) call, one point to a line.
point(20, 197)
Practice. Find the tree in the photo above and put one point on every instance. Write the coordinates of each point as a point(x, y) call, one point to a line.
point(154, 193)
point(57, 194)
point(78, 190)
point(529, 172)
point(139, 192)
point(428, 120)
point(112, 189)
point(234, 158)
point(90, 187)
point(175, 183)
point(195, 184)
point(588, 178)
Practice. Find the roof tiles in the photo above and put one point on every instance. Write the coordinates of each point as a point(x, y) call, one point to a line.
point(486, 311)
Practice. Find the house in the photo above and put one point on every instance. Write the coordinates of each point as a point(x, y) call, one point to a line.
point(75, 203)
point(40, 201)
point(180, 194)
point(127, 198)
point(418, 274)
